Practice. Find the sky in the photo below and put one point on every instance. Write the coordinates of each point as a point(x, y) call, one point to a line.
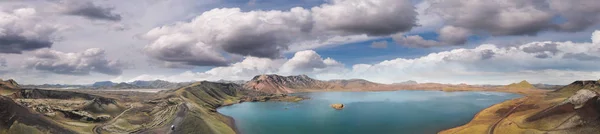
point(385, 41)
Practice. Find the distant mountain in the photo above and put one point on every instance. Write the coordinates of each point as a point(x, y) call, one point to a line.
point(55, 86)
point(547, 86)
point(521, 85)
point(156, 84)
point(300, 83)
point(103, 84)
point(283, 84)
point(241, 82)
point(410, 82)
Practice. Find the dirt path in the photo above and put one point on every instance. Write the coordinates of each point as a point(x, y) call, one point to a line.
point(493, 127)
point(166, 129)
point(97, 127)
point(178, 120)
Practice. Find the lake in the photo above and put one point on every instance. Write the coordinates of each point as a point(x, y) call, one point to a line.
point(390, 112)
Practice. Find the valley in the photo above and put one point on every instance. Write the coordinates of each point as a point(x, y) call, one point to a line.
point(192, 108)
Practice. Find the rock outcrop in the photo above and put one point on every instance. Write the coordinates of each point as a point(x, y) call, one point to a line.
point(572, 88)
point(337, 106)
point(584, 105)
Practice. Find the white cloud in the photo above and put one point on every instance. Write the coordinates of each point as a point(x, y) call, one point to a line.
point(462, 18)
point(486, 64)
point(303, 62)
point(372, 17)
point(82, 63)
point(267, 34)
point(22, 29)
point(414, 41)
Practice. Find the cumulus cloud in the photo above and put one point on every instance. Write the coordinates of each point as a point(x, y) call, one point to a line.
point(372, 17)
point(89, 10)
point(542, 48)
point(183, 48)
point(23, 30)
point(448, 35)
point(267, 34)
point(303, 62)
point(581, 56)
point(488, 64)
point(462, 18)
point(484, 64)
point(82, 63)
point(379, 44)
point(414, 41)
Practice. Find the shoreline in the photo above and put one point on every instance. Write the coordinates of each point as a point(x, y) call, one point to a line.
point(231, 122)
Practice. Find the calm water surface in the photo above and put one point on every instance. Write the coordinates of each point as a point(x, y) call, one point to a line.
point(393, 112)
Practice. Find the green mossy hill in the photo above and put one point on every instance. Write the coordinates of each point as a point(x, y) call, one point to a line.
point(572, 88)
point(521, 85)
point(203, 98)
point(15, 118)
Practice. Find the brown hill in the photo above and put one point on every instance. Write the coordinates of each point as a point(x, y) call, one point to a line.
point(284, 84)
point(521, 85)
point(15, 118)
point(578, 85)
point(8, 87)
point(302, 83)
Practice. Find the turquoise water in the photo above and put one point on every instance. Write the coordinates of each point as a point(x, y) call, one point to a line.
point(393, 112)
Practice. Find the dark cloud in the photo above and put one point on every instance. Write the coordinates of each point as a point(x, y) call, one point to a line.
point(542, 56)
point(579, 14)
point(487, 54)
point(91, 60)
point(515, 17)
point(551, 47)
point(3, 62)
point(91, 11)
point(17, 44)
point(580, 56)
point(383, 17)
point(414, 41)
point(379, 44)
point(22, 29)
point(184, 49)
point(267, 45)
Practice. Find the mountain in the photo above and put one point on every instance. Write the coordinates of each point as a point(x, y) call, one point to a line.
point(8, 87)
point(103, 84)
point(572, 88)
point(547, 86)
point(241, 82)
point(521, 85)
point(124, 85)
point(302, 83)
point(156, 84)
point(409, 82)
point(284, 84)
point(351, 84)
point(15, 118)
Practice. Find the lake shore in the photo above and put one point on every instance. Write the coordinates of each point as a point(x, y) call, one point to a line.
point(520, 92)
